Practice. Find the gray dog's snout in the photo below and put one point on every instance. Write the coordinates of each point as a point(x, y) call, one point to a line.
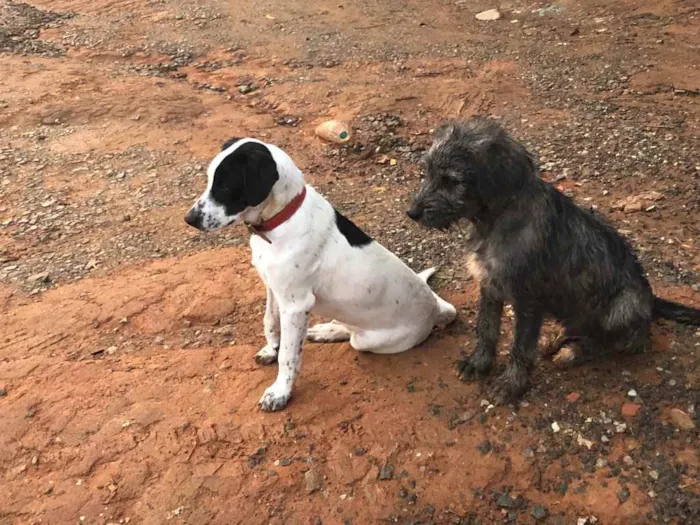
point(194, 219)
point(415, 213)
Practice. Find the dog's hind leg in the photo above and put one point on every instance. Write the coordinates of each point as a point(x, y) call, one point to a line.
point(387, 340)
point(514, 382)
point(488, 328)
point(333, 332)
point(624, 327)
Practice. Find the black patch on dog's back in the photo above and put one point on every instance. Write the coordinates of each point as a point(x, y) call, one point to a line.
point(355, 236)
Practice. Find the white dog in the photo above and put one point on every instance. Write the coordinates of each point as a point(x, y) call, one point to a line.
point(312, 259)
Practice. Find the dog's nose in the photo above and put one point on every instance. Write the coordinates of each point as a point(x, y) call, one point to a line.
point(415, 213)
point(194, 219)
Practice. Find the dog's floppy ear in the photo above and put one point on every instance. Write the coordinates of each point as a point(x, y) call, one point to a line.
point(506, 167)
point(230, 142)
point(260, 172)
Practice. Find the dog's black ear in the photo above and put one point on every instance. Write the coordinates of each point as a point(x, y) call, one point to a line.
point(230, 142)
point(260, 172)
point(506, 167)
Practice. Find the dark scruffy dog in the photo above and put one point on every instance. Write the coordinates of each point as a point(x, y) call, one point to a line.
point(532, 247)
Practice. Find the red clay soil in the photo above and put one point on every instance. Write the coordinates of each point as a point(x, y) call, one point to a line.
point(128, 390)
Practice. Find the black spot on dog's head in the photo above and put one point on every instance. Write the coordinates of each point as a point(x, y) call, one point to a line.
point(354, 235)
point(244, 178)
point(473, 167)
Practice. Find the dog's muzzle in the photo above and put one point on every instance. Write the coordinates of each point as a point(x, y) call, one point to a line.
point(416, 212)
point(194, 219)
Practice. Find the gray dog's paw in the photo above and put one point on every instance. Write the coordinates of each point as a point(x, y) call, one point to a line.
point(472, 368)
point(510, 386)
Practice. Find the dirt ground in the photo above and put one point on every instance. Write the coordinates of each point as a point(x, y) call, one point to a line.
point(128, 390)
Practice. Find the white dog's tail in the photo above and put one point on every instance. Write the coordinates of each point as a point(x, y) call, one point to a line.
point(427, 274)
point(448, 313)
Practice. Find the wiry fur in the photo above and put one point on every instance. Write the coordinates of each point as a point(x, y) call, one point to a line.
point(532, 247)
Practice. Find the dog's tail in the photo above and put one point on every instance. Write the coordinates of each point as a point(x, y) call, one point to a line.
point(447, 312)
point(676, 312)
point(427, 274)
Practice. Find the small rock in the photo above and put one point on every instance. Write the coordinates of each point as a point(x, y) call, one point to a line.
point(387, 472)
point(484, 447)
point(112, 350)
point(226, 329)
point(623, 495)
point(573, 397)
point(3, 390)
point(528, 453)
point(630, 410)
point(488, 15)
point(314, 481)
point(627, 460)
point(555, 427)
point(601, 463)
point(467, 416)
point(620, 428)
point(539, 512)
point(285, 462)
point(682, 420)
point(632, 393)
point(42, 277)
point(504, 501)
point(653, 474)
point(639, 202)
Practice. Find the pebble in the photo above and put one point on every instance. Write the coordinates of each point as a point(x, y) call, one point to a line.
point(387, 472)
point(3, 390)
point(484, 447)
point(601, 463)
point(42, 277)
point(504, 501)
point(488, 15)
point(573, 397)
point(539, 512)
point(555, 427)
point(313, 480)
point(653, 474)
point(630, 409)
point(623, 494)
point(632, 393)
point(681, 419)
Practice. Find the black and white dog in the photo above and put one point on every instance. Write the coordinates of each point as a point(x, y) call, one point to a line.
point(531, 246)
point(312, 259)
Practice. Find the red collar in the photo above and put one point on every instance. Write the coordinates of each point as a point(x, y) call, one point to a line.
point(276, 220)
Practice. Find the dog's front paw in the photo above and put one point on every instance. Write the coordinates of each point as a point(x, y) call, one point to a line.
point(274, 399)
point(473, 368)
point(266, 356)
point(510, 387)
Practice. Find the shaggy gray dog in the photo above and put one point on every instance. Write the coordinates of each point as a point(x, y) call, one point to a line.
point(532, 247)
